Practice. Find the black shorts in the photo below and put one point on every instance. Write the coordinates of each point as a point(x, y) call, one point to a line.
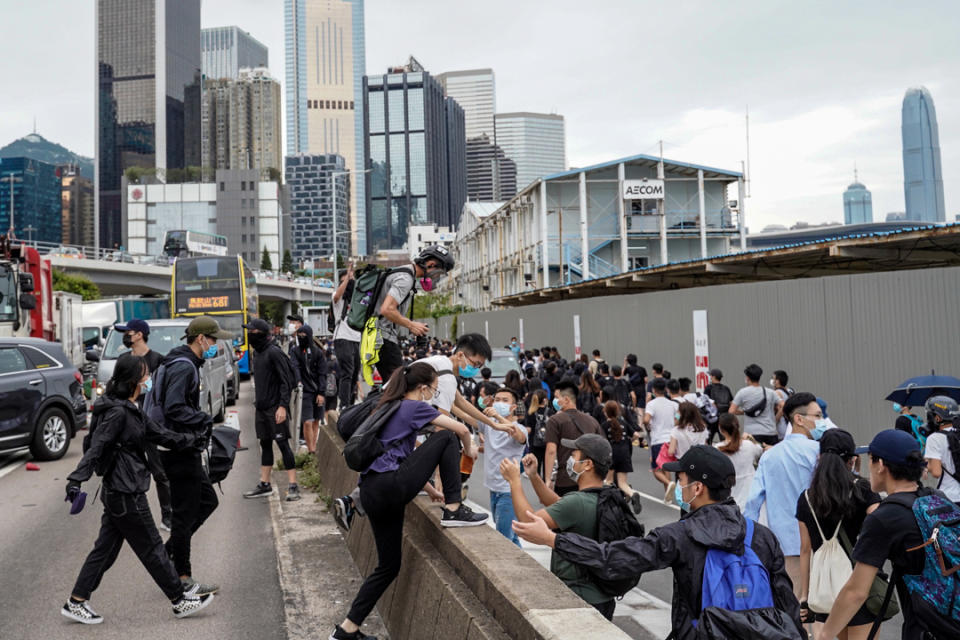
point(622, 456)
point(654, 452)
point(309, 410)
point(267, 427)
point(861, 617)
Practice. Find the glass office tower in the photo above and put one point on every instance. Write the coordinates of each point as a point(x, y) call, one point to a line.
point(922, 173)
point(536, 142)
point(226, 50)
point(148, 96)
point(33, 188)
point(857, 204)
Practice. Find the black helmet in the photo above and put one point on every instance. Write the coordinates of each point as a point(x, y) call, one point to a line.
point(945, 407)
point(435, 252)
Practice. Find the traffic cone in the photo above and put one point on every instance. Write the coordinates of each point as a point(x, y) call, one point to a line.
point(32, 467)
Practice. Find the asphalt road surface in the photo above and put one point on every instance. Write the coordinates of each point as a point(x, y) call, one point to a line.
point(42, 548)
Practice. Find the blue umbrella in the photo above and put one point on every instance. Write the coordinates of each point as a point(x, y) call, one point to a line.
point(916, 391)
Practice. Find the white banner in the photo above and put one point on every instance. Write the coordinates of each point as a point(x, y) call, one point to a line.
point(643, 189)
point(576, 336)
point(486, 329)
point(701, 349)
point(521, 334)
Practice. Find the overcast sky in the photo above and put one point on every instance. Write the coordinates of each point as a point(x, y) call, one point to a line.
point(823, 80)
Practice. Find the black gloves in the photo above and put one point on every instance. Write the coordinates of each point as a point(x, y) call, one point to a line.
point(73, 489)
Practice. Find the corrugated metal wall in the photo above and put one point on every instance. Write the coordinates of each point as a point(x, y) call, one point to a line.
point(848, 339)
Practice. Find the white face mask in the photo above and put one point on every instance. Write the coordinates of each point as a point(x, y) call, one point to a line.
point(291, 329)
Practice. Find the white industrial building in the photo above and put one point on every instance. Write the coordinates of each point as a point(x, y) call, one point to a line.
point(623, 215)
point(420, 236)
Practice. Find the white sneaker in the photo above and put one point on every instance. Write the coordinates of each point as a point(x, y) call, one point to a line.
point(81, 612)
point(668, 497)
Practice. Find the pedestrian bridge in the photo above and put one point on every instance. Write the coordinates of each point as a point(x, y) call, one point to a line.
point(123, 278)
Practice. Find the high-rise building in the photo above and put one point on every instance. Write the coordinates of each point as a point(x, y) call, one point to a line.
point(857, 203)
point(922, 173)
point(536, 142)
point(326, 60)
point(241, 122)
point(32, 188)
point(417, 150)
point(226, 50)
point(76, 202)
point(319, 191)
point(475, 91)
point(148, 97)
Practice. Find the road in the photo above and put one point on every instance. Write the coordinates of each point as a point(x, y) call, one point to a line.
point(42, 548)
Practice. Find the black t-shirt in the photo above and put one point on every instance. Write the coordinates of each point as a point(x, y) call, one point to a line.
point(852, 522)
point(154, 360)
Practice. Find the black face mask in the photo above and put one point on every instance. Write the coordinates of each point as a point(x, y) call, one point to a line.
point(258, 340)
point(127, 341)
point(303, 341)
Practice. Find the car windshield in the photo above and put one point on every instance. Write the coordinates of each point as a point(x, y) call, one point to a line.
point(162, 340)
point(8, 296)
point(501, 364)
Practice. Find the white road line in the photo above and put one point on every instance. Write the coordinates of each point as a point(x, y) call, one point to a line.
point(14, 464)
point(655, 499)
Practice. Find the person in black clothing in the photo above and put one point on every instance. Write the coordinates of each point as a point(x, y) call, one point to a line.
point(274, 380)
point(713, 520)
point(637, 376)
point(118, 433)
point(621, 436)
point(536, 423)
point(721, 396)
point(194, 498)
point(136, 333)
point(310, 368)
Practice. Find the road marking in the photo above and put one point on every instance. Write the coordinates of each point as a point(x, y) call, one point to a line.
point(14, 464)
point(655, 499)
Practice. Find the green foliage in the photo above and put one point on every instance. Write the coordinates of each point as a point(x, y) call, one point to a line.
point(274, 175)
point(75, 284)
point(455, 328)
point(286, 266)
point(436, 305)
point(272, 311)
point(136, 174)
point(265, 263)
point(341, 262)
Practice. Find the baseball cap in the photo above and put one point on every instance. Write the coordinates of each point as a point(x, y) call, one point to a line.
point(894, 446)
point(838, 441)
point(259, 324)
point(134, 324)
point(592, 445)
point(206, 326)
point(297, 317)
point(705, 464)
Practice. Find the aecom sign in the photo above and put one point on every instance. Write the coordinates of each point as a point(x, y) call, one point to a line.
point(643, 189)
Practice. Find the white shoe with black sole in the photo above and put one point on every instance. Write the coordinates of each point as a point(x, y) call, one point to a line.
point(81, 612)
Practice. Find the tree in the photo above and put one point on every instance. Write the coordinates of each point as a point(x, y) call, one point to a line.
point(265, 263)
point(75, 284)
point(341, 262)
point(286, 266)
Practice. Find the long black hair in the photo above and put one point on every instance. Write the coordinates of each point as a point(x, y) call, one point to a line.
point(127, 374)
point(406, 379)
point(834, 490)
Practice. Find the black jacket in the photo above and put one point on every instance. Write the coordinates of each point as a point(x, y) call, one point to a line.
point(683, 547)
point(309, 365)
point(273, 377)
point(120, 423)
point(181, 393)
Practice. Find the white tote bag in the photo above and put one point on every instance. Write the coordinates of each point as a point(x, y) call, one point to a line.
point(830, 568)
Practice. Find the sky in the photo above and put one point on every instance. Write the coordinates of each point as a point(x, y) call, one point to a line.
point(823, 81)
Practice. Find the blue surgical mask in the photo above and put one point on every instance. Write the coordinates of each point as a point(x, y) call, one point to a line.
point(556, 405)
point(502, 408)
point(821, 426)
point(211, 351)
point(678, 496)
point(469, 371)
point(481, 403)
point(897, 407)
point(147, 386)
point(570, 471)
point(676, 415)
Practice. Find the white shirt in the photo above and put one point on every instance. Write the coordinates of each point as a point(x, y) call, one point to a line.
point(342, 331)
point(687, 438)
point(446, 384)
point(692, 399)
point(938, 448)
point(745, 463)
point(661, 411)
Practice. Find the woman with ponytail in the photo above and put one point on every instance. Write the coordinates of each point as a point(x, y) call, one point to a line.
point(402, 471)
point(744, 453)
point(621, 438)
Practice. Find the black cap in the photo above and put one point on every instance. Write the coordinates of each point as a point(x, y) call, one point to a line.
point(134, 324)
point(297, 317)
point(839, 442)
point(593, 446)
point(259, 324)
point(705, 464)
point(716, 373)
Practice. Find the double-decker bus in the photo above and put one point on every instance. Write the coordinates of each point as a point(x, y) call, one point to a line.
point(183, 243)
point(219, 286)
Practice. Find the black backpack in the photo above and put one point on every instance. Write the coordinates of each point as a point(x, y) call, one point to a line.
point(538, 435)
point(221, 452)
point(364, 446)
point(953, 440)
point(153, 401)
point(721, 396)
point(615, 521)
point(353, 416)
point(108, 456)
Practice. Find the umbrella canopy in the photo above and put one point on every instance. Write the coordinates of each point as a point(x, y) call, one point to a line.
point(916, 391)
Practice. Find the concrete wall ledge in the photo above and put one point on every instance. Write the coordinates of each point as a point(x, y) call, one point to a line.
point(462, 584)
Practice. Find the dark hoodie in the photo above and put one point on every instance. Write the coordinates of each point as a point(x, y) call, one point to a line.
point(683, 546)
point(309, 365)
point(181, 392)
point(273, 377)
point(121, 424)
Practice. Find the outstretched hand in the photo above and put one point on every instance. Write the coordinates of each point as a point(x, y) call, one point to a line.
point(535, 531)
point(510, 470)
point(530, 464)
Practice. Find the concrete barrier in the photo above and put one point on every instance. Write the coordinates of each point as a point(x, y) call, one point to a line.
point(462, 584)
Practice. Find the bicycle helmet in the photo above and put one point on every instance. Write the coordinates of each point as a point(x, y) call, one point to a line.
point(435, 252)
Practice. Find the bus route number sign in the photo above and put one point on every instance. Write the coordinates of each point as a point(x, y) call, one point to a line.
point(196, 303)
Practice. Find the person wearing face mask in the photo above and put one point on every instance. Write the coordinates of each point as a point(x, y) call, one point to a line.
point(118, 432)
point(567, 424)
point(710, 522)
point(294, 322)
point(784, 473)
point(310, 367)
point(274, 379)
point(942, 441)
point(499, 445)
point(192, 493)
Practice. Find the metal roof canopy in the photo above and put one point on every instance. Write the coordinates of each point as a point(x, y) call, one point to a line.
point(912, 248)
point(670, 166)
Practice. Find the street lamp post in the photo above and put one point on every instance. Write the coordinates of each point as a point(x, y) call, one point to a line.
point(11, 179)
point(29, 229)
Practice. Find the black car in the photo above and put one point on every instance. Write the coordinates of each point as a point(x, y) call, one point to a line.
point(41, 398)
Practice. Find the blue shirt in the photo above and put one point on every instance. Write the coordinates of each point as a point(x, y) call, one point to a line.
point(783, 474)
point(399, 435)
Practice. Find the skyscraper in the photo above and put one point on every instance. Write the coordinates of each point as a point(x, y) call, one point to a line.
point(417, 149)
point(857, 203)
point(326, 60)
point(226, 50)
point(536, 142)
point(318, 190)
point(922, 173)
point(148, 98)
point(76, 201)
point(475, 91)
point(33, 189)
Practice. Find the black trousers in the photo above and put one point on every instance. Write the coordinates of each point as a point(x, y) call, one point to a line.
point(126, 517)
point(606, 609)
point(348, 361)
point(391, 359)
point(385, 497)
point(194, 499)
point(770, 440)
point(161, 480)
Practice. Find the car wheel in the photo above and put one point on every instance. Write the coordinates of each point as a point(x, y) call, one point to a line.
point(223, 407)
point(51, 437)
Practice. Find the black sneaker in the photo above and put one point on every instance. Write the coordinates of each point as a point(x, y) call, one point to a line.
point(343, 511)
point(189, 605)
point(462, 517)
point(635, 503)
point(260, 491)
point(81, 612)
point(340, 634)
point(293, 493)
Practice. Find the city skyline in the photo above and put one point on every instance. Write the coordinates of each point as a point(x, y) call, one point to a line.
point(814, 106)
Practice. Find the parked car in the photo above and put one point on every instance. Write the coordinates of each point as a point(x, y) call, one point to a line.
point(41, 398)
point(164, 336)
point(502, 362)
point(231, 370)
point(65, 252)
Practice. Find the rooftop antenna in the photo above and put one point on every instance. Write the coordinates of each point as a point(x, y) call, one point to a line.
point(746, 177)
point(856, 177)
point(34, 124)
